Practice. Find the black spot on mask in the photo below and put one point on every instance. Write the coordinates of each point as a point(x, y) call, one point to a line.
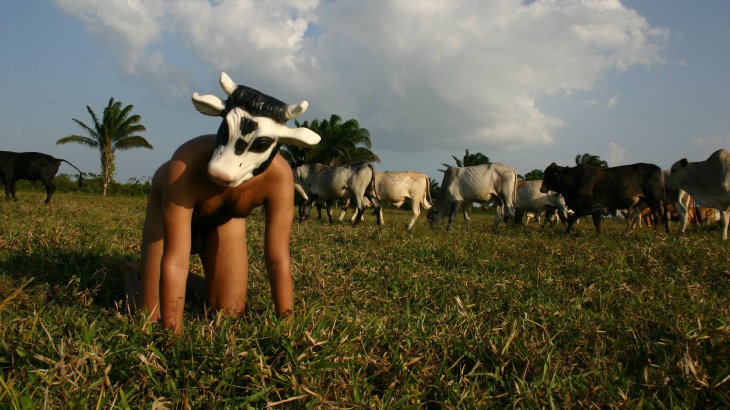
point(261, 168)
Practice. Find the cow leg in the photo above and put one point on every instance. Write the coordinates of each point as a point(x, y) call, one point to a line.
point(7, 190)
point(572, 219)
point(657, 218)
point(343, 209)
point(452, 215)
point(302, 210)
point(724, 221)
point(466, 208)
point(12, 191)
point(353, 216)
point(597, 219)
point(329, 212)
point(415, 210)
point(683, 217)
point(498, 217)
point(305, 207)
point(374, 200)
point(359, 213)
point(50, 189)
point(359, 203)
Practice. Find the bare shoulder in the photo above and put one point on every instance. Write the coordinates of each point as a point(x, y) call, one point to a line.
point(198, 147)
point(186, 180)
point(278, 182)
point(280, 170)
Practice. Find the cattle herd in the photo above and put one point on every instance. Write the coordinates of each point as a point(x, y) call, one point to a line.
point(642, 191)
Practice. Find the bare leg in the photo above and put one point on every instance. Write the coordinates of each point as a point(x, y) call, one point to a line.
point(225, 260)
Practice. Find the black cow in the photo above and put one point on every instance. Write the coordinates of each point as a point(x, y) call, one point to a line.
point(588, 189)
point(32, 166)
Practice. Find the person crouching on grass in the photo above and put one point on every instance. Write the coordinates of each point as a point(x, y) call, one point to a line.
point(200, 198)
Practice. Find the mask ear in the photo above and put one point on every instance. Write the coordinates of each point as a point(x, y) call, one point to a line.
point(300, 137)
point(209, 104)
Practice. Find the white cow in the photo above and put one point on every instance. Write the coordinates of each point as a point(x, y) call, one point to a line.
point(323, 182)
point(480, 183)
point(530, 199)
point(396, 187)
point(708, 182)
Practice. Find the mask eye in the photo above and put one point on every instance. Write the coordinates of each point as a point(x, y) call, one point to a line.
point(239, 146)
point(261, 144)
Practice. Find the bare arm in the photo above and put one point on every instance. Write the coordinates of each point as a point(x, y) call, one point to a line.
point(177, 209)
point(279, 207)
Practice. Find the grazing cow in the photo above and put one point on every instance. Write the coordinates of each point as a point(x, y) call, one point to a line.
point(32, 166)
point(529, 198)
point(480, 183)
point(323, 182)
point(588, 189)
point(707, 181)
point(398, 186)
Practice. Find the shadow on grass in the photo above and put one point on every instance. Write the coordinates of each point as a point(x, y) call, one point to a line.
point(67, 278)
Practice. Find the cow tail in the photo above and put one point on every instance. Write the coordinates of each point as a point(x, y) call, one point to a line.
point(80, 173)
point(665, 212)
point(514, 195)
point(372, 180)
point(427, 197)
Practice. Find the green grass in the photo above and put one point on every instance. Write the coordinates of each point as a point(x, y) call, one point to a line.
point(385, 318)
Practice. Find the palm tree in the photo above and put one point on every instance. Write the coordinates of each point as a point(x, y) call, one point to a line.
point(116, 131)
point(468, 160)
point(342, 143)
point(588, 159)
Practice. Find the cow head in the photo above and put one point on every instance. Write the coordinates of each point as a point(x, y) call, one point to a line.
point(433, 216)
point(552, 178)
point(675, 177)
point(252, 130)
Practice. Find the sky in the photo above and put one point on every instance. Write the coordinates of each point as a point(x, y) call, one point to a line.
point(525, 83)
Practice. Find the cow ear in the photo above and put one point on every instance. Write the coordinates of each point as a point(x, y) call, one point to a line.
point(300, 137)
point(209, 104)
point(683, 162)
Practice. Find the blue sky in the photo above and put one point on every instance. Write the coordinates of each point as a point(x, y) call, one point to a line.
point(525, 83)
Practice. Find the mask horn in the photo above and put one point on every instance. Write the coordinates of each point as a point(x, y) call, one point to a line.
point(227, 84)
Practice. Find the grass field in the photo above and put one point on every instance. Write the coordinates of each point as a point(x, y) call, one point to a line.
point(384, 318)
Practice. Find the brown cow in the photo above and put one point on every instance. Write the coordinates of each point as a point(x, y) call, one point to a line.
point(587, 189)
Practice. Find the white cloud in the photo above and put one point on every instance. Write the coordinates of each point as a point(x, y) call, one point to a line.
point(417, 74)
point(703, 147)
point(612, 101)
point(616, 154)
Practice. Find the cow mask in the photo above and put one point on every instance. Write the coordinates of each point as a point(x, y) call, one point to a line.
point(252, 130)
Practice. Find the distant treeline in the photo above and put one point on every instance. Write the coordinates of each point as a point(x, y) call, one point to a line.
point(91, 185)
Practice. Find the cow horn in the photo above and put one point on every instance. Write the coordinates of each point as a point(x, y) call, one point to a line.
point(294, 110)
point(227, 84)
